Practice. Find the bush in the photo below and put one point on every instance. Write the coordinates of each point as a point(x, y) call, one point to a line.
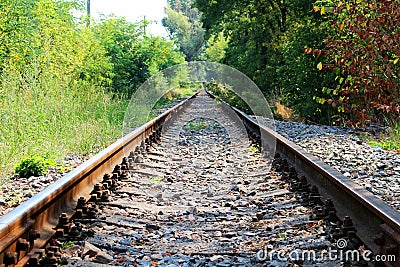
point(224, 93)
point(302, 82)
point(363, 52)
point(33, 166)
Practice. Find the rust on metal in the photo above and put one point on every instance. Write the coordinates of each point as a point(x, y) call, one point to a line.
point(36, 220)
point(371, 216)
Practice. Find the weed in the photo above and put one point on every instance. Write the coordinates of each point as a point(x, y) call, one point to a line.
point(12, 201)
point(155, 181)
point(33, 166)
point(253, 149)
point(67, 244)
point(196, 126)
point(163, 101)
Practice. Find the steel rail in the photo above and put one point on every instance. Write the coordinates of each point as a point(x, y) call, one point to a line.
point(30, 226)
point(377, 224)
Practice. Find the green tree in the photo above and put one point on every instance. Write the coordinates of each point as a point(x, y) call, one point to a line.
point(302, 83)
point(16, 29)
point(254, 29)
point(120, 39)
point(65, 49)
point(216, 47)
point(183, 23)
point(134, 57)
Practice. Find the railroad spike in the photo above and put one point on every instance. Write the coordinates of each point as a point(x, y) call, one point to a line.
point(137, 149)
point(292, 172)
point(107, 182)
point(22, 245)
point(63, 223)
point(82, 205)
point(347, 226)
point(59, 233)
point(115, 178)
point(117, 170)
point(319, 213)
point(303, 186)
point(314, 194)
point(74, 232)
point(93, 198)
point(131, 163)
point(380, 239)
point(143, 151)
point(34, 260)
point(337, 233)
point(105, 196)
point(78, 214)
point(139, 158)
point(93, 210)
point(32, 236)
point(143, 144)
point(50, 260)
point(10, 258)
point(124, 164)
point(124, 175)
point(97, 190)
point(294, 186)
point(329, 206)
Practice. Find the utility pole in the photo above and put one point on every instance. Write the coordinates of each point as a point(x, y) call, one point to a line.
point(88, 13)
point(144, 26)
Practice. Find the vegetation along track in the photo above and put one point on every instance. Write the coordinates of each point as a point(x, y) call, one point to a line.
point(192, 189)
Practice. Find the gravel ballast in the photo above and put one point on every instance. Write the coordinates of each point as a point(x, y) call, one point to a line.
point(372, 167)
point(375, 169)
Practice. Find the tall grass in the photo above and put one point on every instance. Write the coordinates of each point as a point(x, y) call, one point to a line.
point(41, 113)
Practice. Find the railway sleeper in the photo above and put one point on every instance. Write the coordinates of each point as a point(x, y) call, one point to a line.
point(22, 252)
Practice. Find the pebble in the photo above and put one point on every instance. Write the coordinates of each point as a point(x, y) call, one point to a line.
point(16, 190)
point(37, 184)
point(219, 218)
point(344, 149)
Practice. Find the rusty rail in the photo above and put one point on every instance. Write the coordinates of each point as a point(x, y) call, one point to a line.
point(25, 230)
point(377, 224)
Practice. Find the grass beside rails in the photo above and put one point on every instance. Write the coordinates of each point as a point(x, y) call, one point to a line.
point(389, 140)
point(46, 115)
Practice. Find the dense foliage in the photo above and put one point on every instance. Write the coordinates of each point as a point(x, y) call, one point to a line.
point(331, 61)
point(183, 23)
point(64, 86)
point(364, 51)
point(254, 29)
point(266, 41)
point(64, 82)
point(134, 56)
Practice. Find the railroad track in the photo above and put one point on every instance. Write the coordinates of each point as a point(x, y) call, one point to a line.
point(190, 188)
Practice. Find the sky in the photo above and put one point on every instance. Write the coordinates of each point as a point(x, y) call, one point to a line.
point(133, 10)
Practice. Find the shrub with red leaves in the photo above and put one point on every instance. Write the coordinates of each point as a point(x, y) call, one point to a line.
point(365, 54)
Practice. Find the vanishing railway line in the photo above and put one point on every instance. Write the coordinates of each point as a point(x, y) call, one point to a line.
point(191, 189)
